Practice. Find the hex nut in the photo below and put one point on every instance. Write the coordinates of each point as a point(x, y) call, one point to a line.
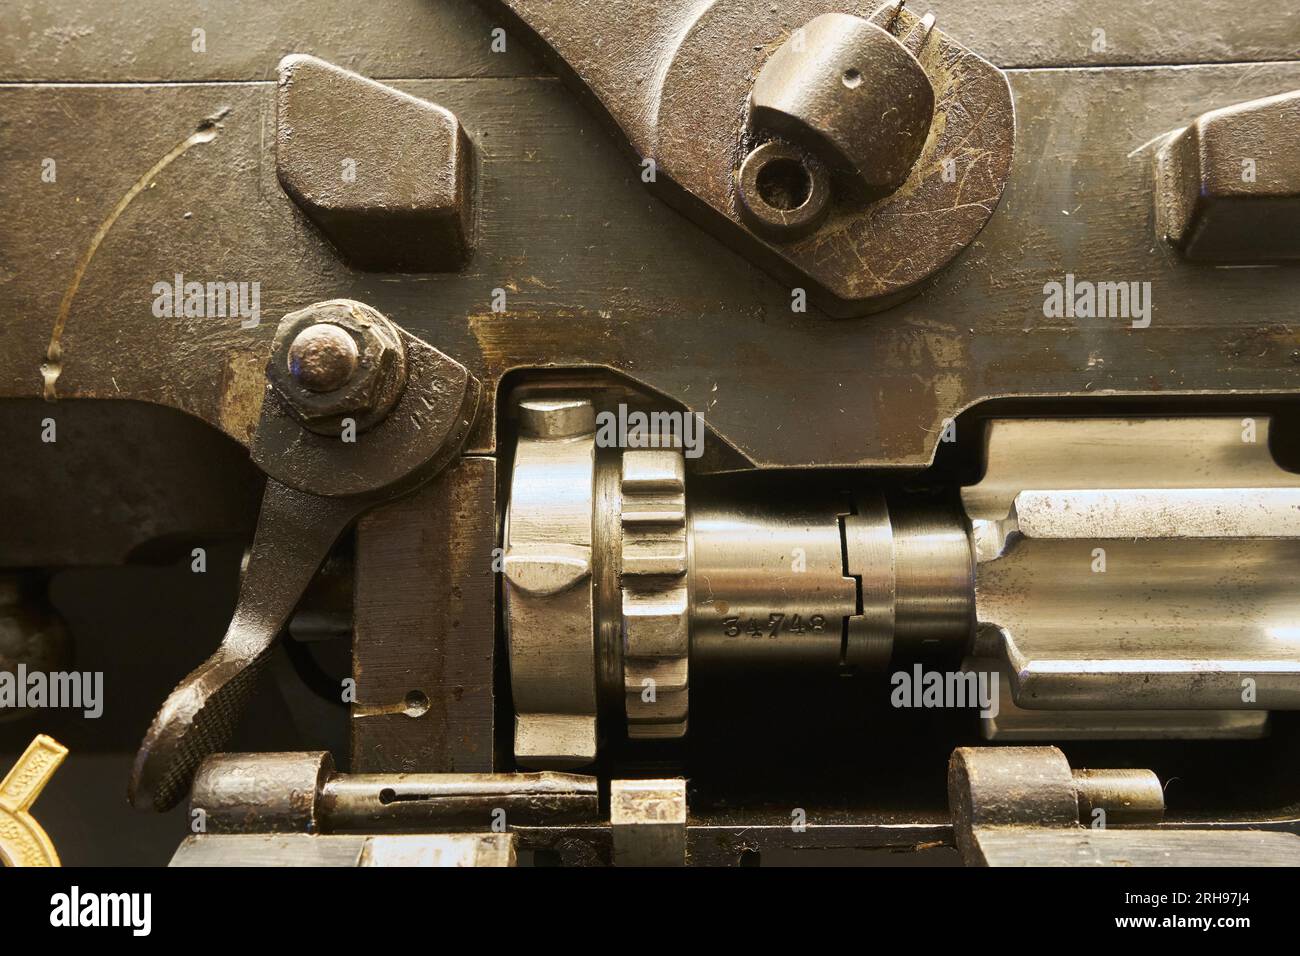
point(374, 384)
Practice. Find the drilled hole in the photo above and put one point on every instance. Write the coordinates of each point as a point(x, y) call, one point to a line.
point(784, 184)
point(417, 704)
point(852, 78)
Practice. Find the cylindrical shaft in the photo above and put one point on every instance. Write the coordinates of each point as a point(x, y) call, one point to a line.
point(409, 802)
point(768, 584)
point(1125, 796)
point(826, 579)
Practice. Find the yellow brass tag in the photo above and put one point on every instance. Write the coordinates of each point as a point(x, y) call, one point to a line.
point(22, 841)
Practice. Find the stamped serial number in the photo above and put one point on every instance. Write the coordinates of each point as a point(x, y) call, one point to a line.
point(775, 625)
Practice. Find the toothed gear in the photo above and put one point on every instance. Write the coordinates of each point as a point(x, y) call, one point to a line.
point(656, 632)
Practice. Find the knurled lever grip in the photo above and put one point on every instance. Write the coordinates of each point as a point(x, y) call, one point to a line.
point(334, 364)
point(295, 532)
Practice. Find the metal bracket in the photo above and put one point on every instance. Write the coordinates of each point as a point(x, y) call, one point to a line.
point(900, 137)
point(1022, 806)
point(317, 486)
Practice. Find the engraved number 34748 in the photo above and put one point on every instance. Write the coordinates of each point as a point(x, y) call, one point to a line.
point(776, 623)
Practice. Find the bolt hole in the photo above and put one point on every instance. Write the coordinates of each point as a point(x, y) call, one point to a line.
point(784, 184)
point(852, 78)
point(417, 703)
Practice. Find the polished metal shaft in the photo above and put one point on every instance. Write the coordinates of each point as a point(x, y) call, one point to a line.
point(826, 579)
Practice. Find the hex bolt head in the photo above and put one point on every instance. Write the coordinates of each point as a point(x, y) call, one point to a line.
point(323, 357)
point(335, 360)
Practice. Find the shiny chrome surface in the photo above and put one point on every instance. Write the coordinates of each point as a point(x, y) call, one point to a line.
point(768, 581)
point(549, 601)
point(1140, 564)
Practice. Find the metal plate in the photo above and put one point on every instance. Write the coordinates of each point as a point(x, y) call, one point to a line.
point(425, 624)
point(597, 272)
point(150, 40)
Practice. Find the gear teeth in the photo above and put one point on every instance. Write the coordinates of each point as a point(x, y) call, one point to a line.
point(656, 631)
point(654, 622)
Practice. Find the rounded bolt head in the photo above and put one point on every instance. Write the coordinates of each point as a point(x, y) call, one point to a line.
point(335, 360)
point(323, 357)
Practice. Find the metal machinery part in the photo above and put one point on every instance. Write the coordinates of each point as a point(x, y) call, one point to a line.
point(648, 820)
point(257, 808)
point(1187, 534)
point(300, 792)
point(1207, 209)
point(908, 370)
point(348, 850)
point(410, 209)
point(413, 407)
point(23, 842)
point(855, 133)
point(1024, 806)
point(1156, 575)
point(1119, 560)
point(834, 581)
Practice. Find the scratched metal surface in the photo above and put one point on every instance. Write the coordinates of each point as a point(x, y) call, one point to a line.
point(598, 272)
point(119, 41)
point(149, 40)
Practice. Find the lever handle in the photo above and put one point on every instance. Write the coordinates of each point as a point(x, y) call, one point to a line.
point(295, 532)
